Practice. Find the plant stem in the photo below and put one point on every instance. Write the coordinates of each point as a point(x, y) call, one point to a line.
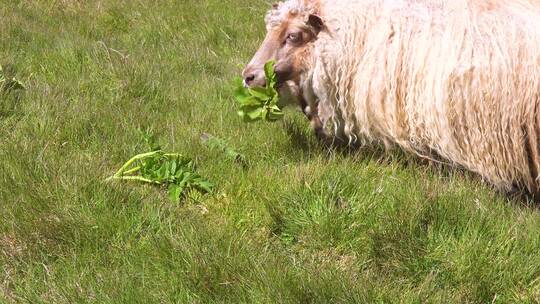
point(131, 171)
point(173, 154)
point(136, 178)
point(120, 172)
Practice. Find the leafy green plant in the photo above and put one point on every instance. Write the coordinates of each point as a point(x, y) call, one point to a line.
point(7, 84)
point(167, 169)
point(222, 145)
point(260, 103)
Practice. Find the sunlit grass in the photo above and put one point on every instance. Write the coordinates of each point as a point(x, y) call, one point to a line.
point(299, 224)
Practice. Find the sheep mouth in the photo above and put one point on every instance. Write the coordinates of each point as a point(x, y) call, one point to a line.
point(282, 77)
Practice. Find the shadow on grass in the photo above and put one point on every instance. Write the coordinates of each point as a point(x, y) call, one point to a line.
point(310, 146)
point(299, 139)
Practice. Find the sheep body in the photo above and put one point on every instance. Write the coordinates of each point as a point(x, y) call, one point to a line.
point(459, 79)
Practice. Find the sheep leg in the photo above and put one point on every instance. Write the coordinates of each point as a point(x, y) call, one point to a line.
point(312, 114)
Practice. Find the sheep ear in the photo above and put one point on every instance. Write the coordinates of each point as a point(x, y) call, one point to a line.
point(316, 23)
point(276, 5)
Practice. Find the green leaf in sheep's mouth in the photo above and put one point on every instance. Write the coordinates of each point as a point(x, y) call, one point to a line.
point(260, 103)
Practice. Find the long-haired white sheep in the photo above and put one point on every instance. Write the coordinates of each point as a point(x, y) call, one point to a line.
point(458, 78)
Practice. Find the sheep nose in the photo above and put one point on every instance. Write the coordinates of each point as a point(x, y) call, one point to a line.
point(254, 80)
point(249, 79)
point(253, 77)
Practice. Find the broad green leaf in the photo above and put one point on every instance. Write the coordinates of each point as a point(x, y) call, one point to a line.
point(251, 101)
point(241, 93)
point(256, 113)
point(173, 168)
point(175, 191)
point(269, 69)
point(260, 93)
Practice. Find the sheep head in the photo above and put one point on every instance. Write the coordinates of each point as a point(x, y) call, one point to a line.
point(292, 27)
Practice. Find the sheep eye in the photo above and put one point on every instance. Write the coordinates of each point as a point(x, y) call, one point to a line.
point(294, 37)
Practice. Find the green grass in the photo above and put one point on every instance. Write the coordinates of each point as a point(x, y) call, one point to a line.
point(299, 224)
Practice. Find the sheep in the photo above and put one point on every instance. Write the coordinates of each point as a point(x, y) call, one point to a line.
point(455, 80)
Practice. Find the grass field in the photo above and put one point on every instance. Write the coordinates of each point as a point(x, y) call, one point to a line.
point(300, 224)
